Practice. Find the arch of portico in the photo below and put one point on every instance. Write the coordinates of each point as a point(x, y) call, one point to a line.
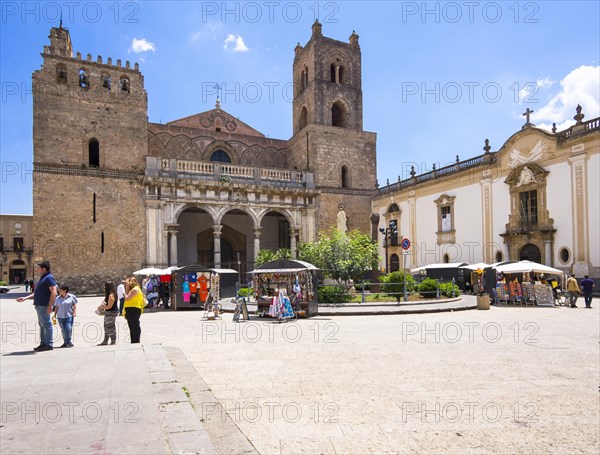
point(215, 235)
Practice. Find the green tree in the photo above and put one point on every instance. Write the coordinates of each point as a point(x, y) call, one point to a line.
point(394, 284)
point(341, 256)
point(270, 255)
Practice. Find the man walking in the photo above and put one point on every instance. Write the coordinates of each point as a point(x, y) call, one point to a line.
point(573, 291)
point(43, 302)
point(587, 285)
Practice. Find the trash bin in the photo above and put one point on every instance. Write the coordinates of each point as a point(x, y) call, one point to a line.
point(483, 302)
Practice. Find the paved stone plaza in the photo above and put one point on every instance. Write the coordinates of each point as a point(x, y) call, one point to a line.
point(508, 380)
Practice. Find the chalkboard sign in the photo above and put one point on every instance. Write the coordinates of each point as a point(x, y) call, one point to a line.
point(543, 295)
point(240, 307)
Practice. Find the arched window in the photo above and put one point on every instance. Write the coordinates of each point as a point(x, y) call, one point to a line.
point(221, 156)
point(303, 118)
point(499, 256)
point(345, 177)
point(94, 153)
point(124, 84)
point(394, 263)
point(340, 75)
point(61, 73)
point(332, 73)
point(446, 258)
point(338, 115)
point(84, 81)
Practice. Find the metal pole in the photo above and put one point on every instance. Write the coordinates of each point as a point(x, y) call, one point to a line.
point(386, 251)
point(404, 269)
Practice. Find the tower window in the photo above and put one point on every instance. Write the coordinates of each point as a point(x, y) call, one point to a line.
point(102, 242)
point(221, 156)
point(332, 71)
point(124, 84)
point(338, 115)
point(94, 208)
point(84, 81)
point(94, 153)
point(340, 75)
point(345, 177)
point(303, 118)
point(106, 82)
point(61, 74)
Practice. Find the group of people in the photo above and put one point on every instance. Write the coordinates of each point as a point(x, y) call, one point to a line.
point(574, 290)
point(55, 303)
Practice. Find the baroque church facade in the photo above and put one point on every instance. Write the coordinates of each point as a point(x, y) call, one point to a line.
point(114, 192)
point(535, 198)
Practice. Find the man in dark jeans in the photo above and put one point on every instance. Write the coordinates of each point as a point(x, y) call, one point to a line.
point(587, 286)
point(43, 302)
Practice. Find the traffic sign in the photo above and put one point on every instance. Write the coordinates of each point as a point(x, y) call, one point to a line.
point(405, 244)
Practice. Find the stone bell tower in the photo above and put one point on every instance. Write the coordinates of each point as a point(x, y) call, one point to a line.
point(90, 138)
point(328, 129)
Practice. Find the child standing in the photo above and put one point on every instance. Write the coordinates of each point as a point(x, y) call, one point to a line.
point(65, 308)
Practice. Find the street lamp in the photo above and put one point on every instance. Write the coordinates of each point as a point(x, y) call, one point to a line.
point(389, 233)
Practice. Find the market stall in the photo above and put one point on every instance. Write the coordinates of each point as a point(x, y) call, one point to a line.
point(278, 282)
point(524, 282)
point(192, 286)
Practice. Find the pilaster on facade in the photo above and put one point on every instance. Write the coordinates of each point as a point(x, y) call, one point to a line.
point(579, 184)
point(217, 244)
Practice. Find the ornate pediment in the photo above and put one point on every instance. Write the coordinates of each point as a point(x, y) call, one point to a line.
point(521, 156)
point(526, 174)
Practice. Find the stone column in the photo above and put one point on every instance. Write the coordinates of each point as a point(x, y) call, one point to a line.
point(293, 234)
point(217, 242)
point(256, 242)
point(173, 245)
point(548, 252)
point(154, 227)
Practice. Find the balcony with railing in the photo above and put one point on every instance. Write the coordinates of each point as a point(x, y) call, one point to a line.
point(220, 173)
point(435, 174)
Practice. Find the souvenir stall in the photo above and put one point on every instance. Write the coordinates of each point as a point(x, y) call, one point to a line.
point(524, 282)
point(285, 289)
point(192, 285)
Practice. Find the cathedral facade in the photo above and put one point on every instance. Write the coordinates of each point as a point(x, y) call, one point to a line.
point(114, 192)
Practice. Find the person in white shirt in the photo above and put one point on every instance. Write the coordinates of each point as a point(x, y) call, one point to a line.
point(121, 296)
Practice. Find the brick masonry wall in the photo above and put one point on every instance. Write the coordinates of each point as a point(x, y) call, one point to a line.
point(66, 235)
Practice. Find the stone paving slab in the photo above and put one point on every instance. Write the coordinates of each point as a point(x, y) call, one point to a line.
point(96, 400)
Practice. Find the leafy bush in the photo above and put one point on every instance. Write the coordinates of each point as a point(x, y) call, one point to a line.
point(394, 284)
point(332, 294)
point(245, 292)
point(427, 288)
point(3, 283)
point(447, 288)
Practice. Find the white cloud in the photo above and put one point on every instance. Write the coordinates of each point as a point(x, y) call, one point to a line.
point(530, 90)
point(208, 31)
point(581, 86)
point(141, 45)
point(235, 44)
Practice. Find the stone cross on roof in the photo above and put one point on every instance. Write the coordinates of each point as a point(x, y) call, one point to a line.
point(527, 113)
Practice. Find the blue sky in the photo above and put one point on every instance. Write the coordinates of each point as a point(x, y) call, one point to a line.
point(438, 77)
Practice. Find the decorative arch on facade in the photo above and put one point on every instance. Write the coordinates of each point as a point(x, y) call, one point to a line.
point(182, 147)
point(178, 210)
point(221, 212)
point(155, 145)
point(220, 145)
point(286, 213)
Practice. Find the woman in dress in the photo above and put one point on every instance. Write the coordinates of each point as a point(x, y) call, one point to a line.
point(111, 310)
